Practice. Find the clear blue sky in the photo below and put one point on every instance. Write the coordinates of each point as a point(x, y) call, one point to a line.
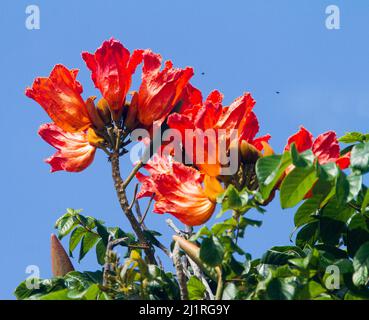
point(258, 46)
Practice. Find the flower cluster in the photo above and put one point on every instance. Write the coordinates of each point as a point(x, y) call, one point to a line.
point(164, 97)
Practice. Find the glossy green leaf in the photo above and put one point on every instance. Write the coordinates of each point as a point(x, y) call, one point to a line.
point(196, 289)
point(211, 251)
point(296, 185)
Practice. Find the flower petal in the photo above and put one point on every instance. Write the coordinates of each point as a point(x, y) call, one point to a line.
point(178, 191)
point(160, 90)
point(112, 67)
point(74, 152)
point(303, 140)
point(60, 96)
point(326, 147)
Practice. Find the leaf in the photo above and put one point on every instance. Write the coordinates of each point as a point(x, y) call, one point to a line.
point(65, 226)
point(304, 159)
point(232, 199)
point(347, 187)
point(75, 238)
point(361, 266)
point(211, 251)
point(306, 210)
point(230, 291)
point(87, 243)
point(296, 185)
point(100, 252)
point(357, 233)
point(365, 203)
point(352, 137)
point(56, 295)
point(280, 289)
point(196, 289)
point(360, 158)
point(281, 255)
point(308, 235)
point(269, 170)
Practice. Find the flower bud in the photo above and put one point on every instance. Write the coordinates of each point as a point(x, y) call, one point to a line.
point(93, 113)
point(249, 153)
point(60, 262)
point(131, 119)
point(104, 111)
point(93, 138)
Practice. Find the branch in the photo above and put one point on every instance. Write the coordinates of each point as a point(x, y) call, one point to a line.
point(122, 197)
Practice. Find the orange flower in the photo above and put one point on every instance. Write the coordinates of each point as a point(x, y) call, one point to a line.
point(112, 67)
point(74, 153)
point(160, 90)
point(179, 190)
point(60, 96)
point(211, 115)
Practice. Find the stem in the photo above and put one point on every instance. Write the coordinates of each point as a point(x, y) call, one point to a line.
point(122, 197)
point(219, 293)
point(182, 282)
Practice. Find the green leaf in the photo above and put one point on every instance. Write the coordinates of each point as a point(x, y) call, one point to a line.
point(196, 289)
point(360, 158)
point(100, 252)
point(280, 289)
point(281, 255)
point(347, 187)
point(230, 291)
point(365, 203)
point(296, 185)
point(357, 233)
point(75, 238)
point(56, 295)
point(306, 211)
point(269, 170)
point(352, 137)
point(304, 159)
point(87, 243)
point(232, 199)
point(308, 235)
point(361, 266)
point(211, 251)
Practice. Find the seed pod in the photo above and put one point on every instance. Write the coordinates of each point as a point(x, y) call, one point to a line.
point(104, 111)
point(60, 262)
point(97, 122)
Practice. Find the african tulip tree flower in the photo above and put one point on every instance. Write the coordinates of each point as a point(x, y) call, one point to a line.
point(210, 114)
point(325, 147)
point(60, 96)
point(112, 67)
point(179, 190)
point(74, 154)
point(160, 90)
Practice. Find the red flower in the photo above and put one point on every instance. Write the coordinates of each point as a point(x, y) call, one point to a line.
point(60, 96)
point(112, 67)
point(74, 153)
point(325, 147)
point(211, 115)
point(179, 190)
point(160, 90)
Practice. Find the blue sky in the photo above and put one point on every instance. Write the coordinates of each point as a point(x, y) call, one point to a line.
point(258, 46)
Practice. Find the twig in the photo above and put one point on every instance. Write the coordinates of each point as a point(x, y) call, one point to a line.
point(137, 167)
point(134, 197)
point(182, 281)
point(171, 224)
point(147, 209)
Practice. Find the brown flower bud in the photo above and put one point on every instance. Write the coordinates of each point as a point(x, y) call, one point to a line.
point(249, 153)
point(131, 119)
point(97, 122)
point(60, 262)
point(104, 111)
